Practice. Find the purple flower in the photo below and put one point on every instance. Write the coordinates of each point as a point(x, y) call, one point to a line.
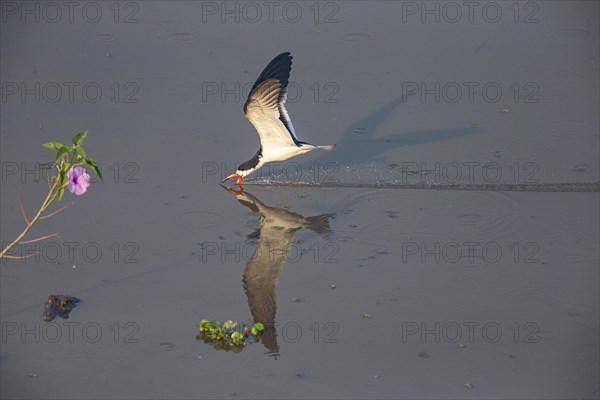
point(79, 180)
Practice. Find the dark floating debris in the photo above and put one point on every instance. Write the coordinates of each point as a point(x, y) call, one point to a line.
point(58, 305)
point(580, 168)
point(298, 299)
point(392, 214)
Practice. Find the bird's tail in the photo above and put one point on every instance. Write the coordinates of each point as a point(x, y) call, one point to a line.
point(326, 147)
point(320, 224)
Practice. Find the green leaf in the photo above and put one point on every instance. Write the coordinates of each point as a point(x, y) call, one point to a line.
point(257, 329)
point(78, 139)
point(61, 191)
point(80, 151)
point(63, 184)
point(61, 152)
point(53, 145)
point(92, 164)
point(229, 324)
point(237, 337)
point(63, 178)
point(205, 325)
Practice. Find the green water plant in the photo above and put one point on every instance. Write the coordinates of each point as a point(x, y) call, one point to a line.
point(229, 335)
point(70, 166)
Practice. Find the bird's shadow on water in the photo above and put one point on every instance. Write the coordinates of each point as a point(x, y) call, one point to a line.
point(358, 143)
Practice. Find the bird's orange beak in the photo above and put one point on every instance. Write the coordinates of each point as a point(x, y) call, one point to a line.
point(236, 192)
point(239, 178)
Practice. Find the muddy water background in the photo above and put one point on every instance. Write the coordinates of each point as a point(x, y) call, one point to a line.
point(174, 245)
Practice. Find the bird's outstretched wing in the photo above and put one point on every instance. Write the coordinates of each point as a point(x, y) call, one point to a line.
point(265, 107)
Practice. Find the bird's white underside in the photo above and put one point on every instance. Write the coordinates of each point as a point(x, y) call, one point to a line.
point(279, 153)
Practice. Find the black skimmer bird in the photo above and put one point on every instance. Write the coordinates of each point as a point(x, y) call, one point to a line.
point(274, 239)
point(265, 108)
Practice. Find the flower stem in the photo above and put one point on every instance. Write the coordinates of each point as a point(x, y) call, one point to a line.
point(45, 204)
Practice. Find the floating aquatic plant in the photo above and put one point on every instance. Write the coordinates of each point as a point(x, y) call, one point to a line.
point(229, 335)
point(71, 164)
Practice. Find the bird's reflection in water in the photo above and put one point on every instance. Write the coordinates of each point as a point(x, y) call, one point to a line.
point(274, 238)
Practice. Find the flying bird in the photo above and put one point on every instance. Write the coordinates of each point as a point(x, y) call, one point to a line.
point(265, 109)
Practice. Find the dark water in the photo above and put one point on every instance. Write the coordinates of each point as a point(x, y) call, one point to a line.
point(373, 290)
